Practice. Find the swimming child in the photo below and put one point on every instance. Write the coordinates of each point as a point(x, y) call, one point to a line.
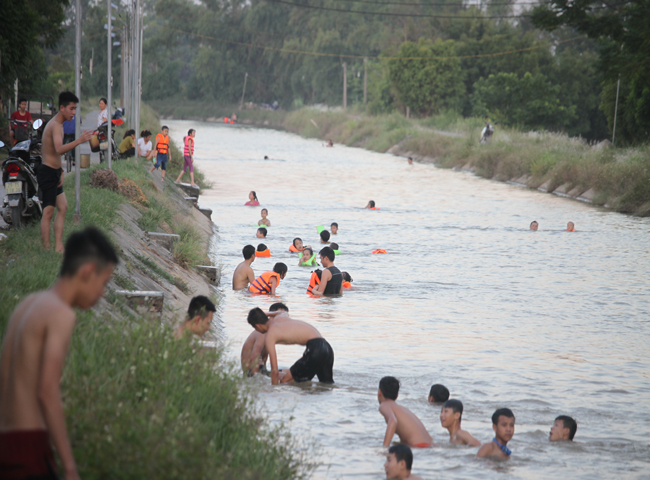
point(410, 161)
point(399, 461)
point(261, 232)
point(252, 200)
point(330, 143)
point(253, 352)
point(335, 246)
point(307, 258)
point(450, 417)
point(314, 280)
point(371, 205)
point(570, 227)
point(334, 227)
point(400, 419)
point(534, 225)
point(324, 236)
point(269, 281)
point(564, 429)
point(331, 282)
point(503, 424)
point(347, 280)
point(438, 394)
point(262, 251)
point(297, 246)
point(264, 220)
point(318, 358)
point(243, 274)
point(198, 319)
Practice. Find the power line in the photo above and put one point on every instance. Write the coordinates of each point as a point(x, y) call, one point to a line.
point(443, 4)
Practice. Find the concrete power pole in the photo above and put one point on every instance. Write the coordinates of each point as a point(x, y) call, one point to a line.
point(109, 76)
point(365, 81)
point(77, 120)
point(345, 85)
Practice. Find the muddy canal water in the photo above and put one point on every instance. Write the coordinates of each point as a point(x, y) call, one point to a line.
point(545, 323)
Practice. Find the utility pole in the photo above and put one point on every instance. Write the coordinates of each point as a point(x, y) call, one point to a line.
point(109, 76)
point(140, 24)
point(345, 85)
point(241, 104)
point(365, 81)
point(77, 119)
point(618, 85)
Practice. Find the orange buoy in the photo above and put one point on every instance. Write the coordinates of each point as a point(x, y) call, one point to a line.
point(379, 250)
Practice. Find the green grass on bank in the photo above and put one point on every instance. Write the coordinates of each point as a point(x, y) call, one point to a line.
point(138, 403)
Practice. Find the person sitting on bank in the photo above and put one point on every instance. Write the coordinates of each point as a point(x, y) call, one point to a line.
point(264, 220)
point(269, 281)
point(127, 145)
point(296, 246)
point(253, 352)
point(262, 251)
point(451, 414)
point(261, 232)
point(318, 358)
point(145, 147)
point(199, 317)
point(331, 280)
point(563, 430)
point(503, 424)
point(399, 461)
point(243, 274)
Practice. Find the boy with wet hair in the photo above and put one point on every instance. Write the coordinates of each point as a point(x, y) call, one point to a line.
point(261, 232)
point(399, 461)
point(324, 236)
point(503, 424)
point(438, 394)
point(264, 220)
point(199, 317)
point(400, 419)
point(244, 274)
point(331, 282)
point(564, 429)
point(334, 227)
point(269, 281)
point(32, 357)
point(262, 251)
point(347, 280)
point(253, 352)
point(534, 225)
point(451, 415)
point(318, 358)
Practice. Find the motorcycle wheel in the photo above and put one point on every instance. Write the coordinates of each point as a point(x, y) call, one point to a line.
point(101, 156)
point(17, 215)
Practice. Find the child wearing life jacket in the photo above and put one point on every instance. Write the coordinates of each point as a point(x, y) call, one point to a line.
point(371, 205)
point(296, 247)
point(347, 280)
point(252, 200)
point(269, 281)
point(307, 258)
point(335, 246)
point(314, 280)
point(262, 251)
point(188, 156)
point(264, 220)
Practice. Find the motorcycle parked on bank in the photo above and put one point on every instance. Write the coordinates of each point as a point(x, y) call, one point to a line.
point(99, 143)
point(21, 202)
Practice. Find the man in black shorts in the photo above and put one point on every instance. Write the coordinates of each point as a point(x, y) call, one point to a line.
point(331, 282)
point(50, 173)
point(318, 358)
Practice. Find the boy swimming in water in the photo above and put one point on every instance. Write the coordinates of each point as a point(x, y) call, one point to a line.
point(244, 274)
point(261, 232)
point(198, 319)
point(334, 227)
point(503, 424)
point(438, 394)
point(262, 251)
point(564, 429)
point(534, 225)
point(264, 220)
point(269, 281)
point(570, 227)
point(400, 419)
point(450, 417)
point(253, 352)
point(324, 236)
point(399, 462)
point(347, 280)
point(371, 205)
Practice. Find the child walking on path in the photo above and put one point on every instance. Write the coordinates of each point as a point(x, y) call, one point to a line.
point(188, 154)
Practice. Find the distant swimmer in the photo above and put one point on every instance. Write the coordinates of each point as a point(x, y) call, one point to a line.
point(243, 274)
point(400, 419)
point(451, 415)
point(266, 157)
point(335, 246)
point(534, 225)
point(334, 227)
point(269, 281)
point(503, 424)
point(296, 246)
point(264, 220)
point(371, 205)
point(262, 251)
point(318, 358)
point(570, 227)
point(252, 200)
point(564, 429)
point(199, 317)
point(399, 462)
point(438, 394)
point(253, 352)
point(307, 258)
point(261, 232)
point(330, 143)
point(347, 280)
point(410, 161)
point(331, 282)
point(324, 236)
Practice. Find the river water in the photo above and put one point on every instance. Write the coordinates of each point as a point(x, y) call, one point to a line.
point(545, 323)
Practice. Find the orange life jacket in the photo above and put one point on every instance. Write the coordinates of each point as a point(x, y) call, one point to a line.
point(313, 282)
point(347, 285)
point(262, 284)
point(293, 249)
point(225, 119)
point(374, 208)
point(162, 143)
point(379, 250)
point(265, 253)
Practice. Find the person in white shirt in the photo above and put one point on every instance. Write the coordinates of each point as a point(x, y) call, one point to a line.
point(103, 115)
point(145, 147)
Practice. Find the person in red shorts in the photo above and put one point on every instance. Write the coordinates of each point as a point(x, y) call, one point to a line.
point(23, 120)
point(32, 357)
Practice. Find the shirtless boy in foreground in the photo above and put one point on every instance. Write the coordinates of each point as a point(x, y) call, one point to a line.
point(318, 358)
point(33, 353)
point(450, 418)
point(253, 352)
point(199, 317)
point(399, 462)
point(400, 419)
point(244, 274)
point(50, 173)
point(503, 424)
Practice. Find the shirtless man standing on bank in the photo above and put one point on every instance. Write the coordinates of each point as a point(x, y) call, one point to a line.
point(50, 173)
point(244, 274)
point(32, 356)
point(318, 358)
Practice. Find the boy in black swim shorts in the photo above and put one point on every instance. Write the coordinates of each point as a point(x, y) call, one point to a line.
point(317, 360)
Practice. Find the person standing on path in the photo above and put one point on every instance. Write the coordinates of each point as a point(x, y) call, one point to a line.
point(188, 155)
point(162, 151)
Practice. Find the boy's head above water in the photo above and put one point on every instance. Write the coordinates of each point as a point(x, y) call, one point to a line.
point(334, 246)
point(334, 227)
point(438, 394)
point(261, 232)
point(248, 251)
point(534, 225)
point(388, 389)
point(264, 213)
point(261, 247)
point(570, 227)
point(399, 462)
point(278, 306)
point(452, 411)
point(564, 428)
point(324, 236)
point(503, 424)
point(371, 203)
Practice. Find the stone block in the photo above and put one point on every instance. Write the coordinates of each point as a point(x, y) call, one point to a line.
point(189, 189)
point(211, 273)
point(207, 212)
point(544, 186)
point(166, 240)
point(192, 200)
point(143, 301)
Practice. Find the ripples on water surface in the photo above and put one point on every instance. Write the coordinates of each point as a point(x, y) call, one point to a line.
point(545, 323)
